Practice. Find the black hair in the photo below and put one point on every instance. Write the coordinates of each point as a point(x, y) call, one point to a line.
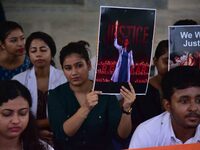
point(10, 89)
point(180, 77)
point(185, 22)
point(6, 27)
point(161, 49)
point(43, 36)
point(80, 47)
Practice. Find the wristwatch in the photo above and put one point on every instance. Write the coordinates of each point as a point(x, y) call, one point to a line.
point(127, 112)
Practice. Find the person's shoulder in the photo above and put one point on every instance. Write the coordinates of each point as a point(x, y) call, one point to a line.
point(57, 71)
point(60, 88)
point(131, 52)
point(21, 76)
point(57, 76)
point(153, 81)
point(150, 132)
point(58, 93)
point(153, 123)
point(198, 129)
point(151, 91)
point(27, 59)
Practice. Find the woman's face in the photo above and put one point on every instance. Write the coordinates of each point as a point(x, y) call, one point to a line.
point(40, 53)
point(14, 117)
point(14, 43)
point(76, 69)
point(126, 43)
point(162, 63)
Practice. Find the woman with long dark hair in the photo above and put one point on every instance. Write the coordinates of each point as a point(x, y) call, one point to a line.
point(80, 117)
point(17, 125)
point(42, 77)
point(13, 58)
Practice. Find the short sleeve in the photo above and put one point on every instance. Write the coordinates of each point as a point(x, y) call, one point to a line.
point(141, 138)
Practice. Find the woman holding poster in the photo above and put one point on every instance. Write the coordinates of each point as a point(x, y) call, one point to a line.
point(80, 117)
point(125, 60)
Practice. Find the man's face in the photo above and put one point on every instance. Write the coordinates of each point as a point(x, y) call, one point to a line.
point(185, 108)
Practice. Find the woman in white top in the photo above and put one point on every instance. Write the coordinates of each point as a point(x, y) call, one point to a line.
point(41, 77)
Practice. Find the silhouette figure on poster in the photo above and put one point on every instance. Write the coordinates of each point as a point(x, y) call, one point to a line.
point(125, 59)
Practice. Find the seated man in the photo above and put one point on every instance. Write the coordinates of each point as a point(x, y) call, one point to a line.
point(180, 123)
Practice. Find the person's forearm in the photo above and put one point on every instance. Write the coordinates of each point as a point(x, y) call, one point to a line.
point(72, 125)
point(125, 126)
point(117, 46)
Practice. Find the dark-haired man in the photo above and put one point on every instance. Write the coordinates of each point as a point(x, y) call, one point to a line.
point(180, 123)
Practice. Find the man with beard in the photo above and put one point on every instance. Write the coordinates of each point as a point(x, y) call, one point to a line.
point(180, 123)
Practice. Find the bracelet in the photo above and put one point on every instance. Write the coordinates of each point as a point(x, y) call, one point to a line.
point(127, 112)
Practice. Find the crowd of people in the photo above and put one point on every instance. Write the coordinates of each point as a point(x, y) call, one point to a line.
point(45, 108)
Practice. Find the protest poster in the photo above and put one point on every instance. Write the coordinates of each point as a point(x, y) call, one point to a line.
point(124, 48)
point(184, 45)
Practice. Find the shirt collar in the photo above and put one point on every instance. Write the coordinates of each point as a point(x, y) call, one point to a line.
point(172, 134)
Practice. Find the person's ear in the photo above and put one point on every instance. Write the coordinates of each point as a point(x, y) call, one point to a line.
point(89, 65)
point(2, 45)
point(155, 61)
point(166, 105)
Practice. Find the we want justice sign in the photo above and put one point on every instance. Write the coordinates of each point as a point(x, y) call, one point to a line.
point(184, 45)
